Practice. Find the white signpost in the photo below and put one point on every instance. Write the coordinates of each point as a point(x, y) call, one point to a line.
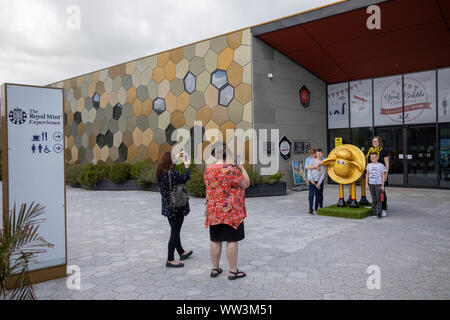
point(33, 167)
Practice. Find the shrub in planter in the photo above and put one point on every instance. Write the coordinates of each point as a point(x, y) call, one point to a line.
point(196, 186)
point(103, 169)
point(89, 176)
point(147, 175)
point(73, 173)
point(182, 169)
point(120, 172)
point(255, 177)
point(273, 178)
point(137, 168)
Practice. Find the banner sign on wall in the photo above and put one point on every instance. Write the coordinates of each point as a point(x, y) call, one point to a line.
point(388, 100)
point(444, 94)
point(418, 104)
point(338, 105)
point(361, 103)
point(33, 166)
point(420, 97)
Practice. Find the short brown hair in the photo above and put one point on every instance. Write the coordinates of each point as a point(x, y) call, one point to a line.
point(312, 152)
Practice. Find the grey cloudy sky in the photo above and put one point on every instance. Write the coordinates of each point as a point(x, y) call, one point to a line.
point(37, 47)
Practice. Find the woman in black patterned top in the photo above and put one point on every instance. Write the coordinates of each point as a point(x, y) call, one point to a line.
point(175, 217)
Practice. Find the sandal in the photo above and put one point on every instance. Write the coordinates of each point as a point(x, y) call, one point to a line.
point(242, 274)
point(215, 274)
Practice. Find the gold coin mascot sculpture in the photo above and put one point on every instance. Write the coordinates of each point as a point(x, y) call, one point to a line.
point(345, 165)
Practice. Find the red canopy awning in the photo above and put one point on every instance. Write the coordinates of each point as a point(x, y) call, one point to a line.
point(414, 36)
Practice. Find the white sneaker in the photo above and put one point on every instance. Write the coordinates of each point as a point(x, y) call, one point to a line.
point(384, 213)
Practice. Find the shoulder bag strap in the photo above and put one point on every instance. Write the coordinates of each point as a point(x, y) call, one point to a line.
point(170, 180)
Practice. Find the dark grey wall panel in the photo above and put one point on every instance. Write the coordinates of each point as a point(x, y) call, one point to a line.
point(276, 103)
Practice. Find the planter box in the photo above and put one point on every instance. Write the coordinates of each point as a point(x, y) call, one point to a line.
point(259, 190)
point(266, 190)
point(130, 184)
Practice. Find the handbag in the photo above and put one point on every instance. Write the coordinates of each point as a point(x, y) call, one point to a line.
point(178, 194)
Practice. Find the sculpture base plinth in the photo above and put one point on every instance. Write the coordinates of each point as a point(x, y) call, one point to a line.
point(344, 212)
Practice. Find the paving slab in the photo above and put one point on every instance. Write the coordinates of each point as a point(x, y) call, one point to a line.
point(119, 240)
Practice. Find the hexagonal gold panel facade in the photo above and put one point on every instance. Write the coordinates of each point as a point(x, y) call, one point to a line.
point(112, 110)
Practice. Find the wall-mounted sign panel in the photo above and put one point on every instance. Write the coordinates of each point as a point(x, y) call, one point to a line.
point(285, 148)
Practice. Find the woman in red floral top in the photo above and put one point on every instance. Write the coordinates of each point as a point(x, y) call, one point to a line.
point(225, 210)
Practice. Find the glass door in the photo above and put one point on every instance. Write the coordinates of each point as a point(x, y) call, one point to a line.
point(421, 156)
point(392, 138)
point(444, 155)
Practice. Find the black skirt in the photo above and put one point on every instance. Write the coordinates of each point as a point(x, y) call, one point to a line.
point(225, 232)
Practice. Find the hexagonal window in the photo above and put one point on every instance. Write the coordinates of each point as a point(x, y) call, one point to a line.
point(169, 130)
point(219, 78)
point(189, 82)
point(101, 140)
point(123, 152)
point(96, 100)
point(77, 117)
point(226, 95)
point(117, 111)
point(159, 105)
point(109, 139)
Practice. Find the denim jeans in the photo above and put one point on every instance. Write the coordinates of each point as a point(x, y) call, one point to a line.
point(315, 193)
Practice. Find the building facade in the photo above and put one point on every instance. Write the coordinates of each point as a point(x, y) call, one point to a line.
point(393, 82)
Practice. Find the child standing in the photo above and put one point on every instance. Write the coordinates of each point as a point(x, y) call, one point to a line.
point(316, 180)
point(375, 179)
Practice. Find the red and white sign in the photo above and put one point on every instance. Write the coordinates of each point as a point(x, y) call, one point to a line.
point(417, 105)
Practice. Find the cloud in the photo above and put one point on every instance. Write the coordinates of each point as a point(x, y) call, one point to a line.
point(37, 47)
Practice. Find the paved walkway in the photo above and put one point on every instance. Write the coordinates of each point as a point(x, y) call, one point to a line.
point(119, 240)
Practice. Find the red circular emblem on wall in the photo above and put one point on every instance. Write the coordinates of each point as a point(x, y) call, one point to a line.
point(305, 96)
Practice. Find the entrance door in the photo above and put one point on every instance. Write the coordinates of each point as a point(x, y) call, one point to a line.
point(421, 156)
point(392, 138)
